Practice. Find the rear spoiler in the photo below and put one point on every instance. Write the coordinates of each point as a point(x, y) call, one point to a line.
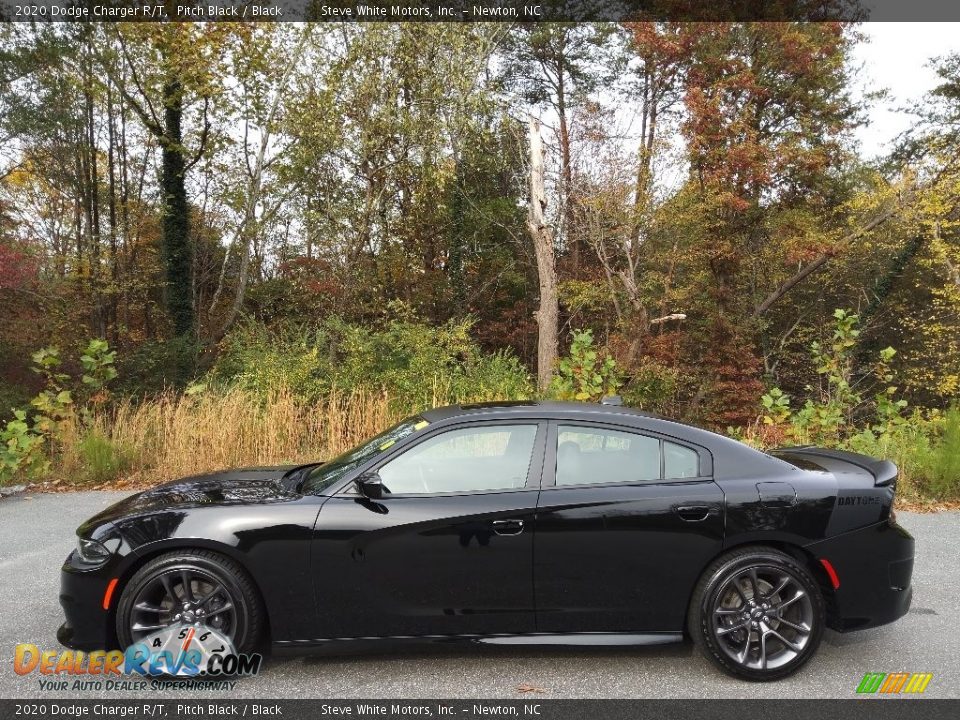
point(884, 472)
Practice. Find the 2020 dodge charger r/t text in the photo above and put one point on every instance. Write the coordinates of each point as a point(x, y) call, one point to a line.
point(524, 523)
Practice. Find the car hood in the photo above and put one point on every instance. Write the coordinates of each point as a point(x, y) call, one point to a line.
point(242, 486)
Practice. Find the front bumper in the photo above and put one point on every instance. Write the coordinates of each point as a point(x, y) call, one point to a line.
point(88, 625)
point(874, 566)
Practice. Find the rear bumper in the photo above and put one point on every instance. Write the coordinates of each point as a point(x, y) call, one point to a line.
point(874, 566)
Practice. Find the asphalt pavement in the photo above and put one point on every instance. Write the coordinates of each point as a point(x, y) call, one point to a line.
point(37, 532)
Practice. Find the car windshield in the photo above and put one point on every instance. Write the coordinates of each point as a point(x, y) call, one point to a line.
point(323, 476)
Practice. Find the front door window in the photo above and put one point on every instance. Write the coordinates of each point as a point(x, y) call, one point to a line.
point(496, 457)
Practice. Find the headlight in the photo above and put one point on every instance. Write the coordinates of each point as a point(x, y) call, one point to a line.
point(91, 552)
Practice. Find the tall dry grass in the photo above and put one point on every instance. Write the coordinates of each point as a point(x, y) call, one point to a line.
point(175, 435)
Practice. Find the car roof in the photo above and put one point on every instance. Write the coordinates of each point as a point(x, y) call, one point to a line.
point(529, 408)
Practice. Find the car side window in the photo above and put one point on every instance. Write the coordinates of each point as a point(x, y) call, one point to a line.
point(495, 457)
point(679, 461)
point(599, 455)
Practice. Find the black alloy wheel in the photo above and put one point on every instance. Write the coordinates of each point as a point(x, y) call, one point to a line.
point(190, 588)
point(757, 614)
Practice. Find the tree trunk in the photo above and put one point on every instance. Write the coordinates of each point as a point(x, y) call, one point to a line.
point(457, 247)
point(112, 215)
point(648, 136)
point(93, 201)
point(566, 178)
point(250, 225)
point(542, 237)
point(177, 252)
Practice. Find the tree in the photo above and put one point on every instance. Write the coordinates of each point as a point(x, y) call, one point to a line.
point(661, 54)
point(558, 66)
point(171, 69)
point(768, 114)
point(930, 337)
point(266, 67)
point(542, 236)
point(389, 139)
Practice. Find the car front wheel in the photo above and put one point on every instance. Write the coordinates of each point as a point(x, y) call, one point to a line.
point(757, 614)
point(191, 587)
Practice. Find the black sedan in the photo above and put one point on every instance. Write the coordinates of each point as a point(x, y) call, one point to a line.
point(511, 523)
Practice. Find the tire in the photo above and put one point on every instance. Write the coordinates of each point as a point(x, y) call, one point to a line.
point(235, 609)
point(751, 638)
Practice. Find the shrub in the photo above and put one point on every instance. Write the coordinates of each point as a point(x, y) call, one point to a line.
point(21, 450)
point(925, 445)
point(157, 365)
point(416, 364)
point(653, 386)
point(29, 442)
point(839, 400)
point(101, 460)
point(938, 471)
point(586, 373)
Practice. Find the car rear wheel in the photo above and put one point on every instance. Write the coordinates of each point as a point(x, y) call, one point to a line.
point(191, 587)
point(757, 614)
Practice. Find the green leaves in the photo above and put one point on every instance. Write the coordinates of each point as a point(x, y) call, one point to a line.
point(20, 449)
point(831, 417)
point(26, 444)
point(97, 361)
point(419, 364)
point(585, 374)
point(777, 404)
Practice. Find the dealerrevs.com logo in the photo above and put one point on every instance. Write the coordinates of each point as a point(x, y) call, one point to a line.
point(894, 683)
point(197, 655)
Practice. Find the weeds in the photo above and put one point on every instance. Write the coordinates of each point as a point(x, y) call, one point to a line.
point(177, 434)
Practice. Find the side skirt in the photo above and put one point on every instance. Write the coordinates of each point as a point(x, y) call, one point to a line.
point(570, 639)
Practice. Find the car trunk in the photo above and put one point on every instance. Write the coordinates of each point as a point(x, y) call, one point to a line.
point(856, 468)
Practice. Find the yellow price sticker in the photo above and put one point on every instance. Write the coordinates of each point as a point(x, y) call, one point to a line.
point(421, 425)
point(387, 444)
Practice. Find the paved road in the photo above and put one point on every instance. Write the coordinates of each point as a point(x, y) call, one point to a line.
point(36, 533)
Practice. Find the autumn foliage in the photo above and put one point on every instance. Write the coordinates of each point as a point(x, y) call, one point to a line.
point(192, 194)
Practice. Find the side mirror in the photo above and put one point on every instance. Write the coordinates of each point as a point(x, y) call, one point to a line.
point(370, 485)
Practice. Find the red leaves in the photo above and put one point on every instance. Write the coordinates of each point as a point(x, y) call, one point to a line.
point(765, 103)
point(17, 268)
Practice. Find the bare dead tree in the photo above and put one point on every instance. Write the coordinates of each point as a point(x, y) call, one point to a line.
point(542, 236)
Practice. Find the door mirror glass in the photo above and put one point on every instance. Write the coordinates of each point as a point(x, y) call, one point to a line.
point(370, 485)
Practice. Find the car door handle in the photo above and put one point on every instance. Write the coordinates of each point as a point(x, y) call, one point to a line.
point(508, 527)
point(693, 513)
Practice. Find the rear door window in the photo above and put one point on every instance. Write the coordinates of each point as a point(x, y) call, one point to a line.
point(600, 455)
point(594, 455)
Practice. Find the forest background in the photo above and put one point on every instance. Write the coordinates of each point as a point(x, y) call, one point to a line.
point(242, 244)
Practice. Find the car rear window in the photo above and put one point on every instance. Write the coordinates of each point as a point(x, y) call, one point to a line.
point(800, 461)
